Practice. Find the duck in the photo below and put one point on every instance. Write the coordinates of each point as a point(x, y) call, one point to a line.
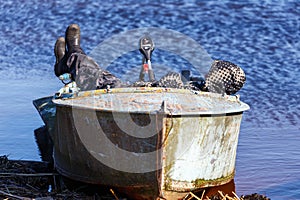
point(224, 77)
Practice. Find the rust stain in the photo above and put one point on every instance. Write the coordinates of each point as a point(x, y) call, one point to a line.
point(216, 135)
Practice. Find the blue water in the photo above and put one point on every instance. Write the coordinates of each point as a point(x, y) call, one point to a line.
point(263, 37)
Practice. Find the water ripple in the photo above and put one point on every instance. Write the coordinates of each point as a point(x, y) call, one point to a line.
point(263, 37)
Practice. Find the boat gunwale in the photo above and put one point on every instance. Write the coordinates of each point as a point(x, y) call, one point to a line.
point(243, 106)
point(167, 114)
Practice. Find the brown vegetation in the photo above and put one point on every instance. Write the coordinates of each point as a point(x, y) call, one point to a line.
point(28, 180)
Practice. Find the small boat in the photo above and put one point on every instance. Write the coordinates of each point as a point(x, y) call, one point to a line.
point(147, 142)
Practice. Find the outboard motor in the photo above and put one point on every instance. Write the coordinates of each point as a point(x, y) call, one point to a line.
point(146, 47)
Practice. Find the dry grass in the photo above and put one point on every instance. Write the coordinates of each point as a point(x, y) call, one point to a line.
point(222, 196)
point(27, 180)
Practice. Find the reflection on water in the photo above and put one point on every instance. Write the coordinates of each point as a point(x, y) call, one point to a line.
point(262, 37)
point(267, 159)
point(18, 116)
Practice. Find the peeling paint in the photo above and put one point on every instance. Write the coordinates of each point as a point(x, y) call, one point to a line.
point(198, 134)
point(200, 148)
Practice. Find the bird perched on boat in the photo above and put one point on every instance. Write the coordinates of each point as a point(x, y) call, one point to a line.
point(146, 47)
point(224, 77)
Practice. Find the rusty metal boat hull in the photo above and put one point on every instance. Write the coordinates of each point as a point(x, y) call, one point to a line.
point(150, 143)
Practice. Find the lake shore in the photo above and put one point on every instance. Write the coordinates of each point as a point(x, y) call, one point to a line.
point(28, 180)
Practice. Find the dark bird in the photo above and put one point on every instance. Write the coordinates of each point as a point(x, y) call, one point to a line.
point(224, 77)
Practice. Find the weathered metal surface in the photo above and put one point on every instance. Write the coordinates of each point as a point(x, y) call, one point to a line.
point(200, 151)
point(149, 100)
point(79, 151)
point(153, 142)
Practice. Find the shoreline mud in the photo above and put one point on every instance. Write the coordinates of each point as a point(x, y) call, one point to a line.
point(28, 180)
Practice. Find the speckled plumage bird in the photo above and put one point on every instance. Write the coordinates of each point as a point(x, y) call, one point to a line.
point(224, 77)
point(171, 80)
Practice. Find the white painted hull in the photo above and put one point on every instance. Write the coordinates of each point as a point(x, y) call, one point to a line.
point(183, 147)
